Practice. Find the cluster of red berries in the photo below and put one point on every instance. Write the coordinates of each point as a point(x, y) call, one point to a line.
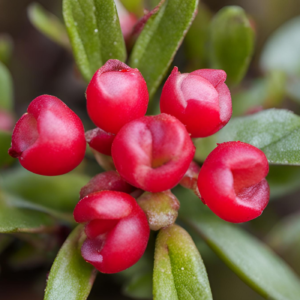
point(150, 153)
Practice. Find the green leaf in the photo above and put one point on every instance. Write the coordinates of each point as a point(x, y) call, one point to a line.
point(6, 89)
point(5, 141)
point(275, 131)
point(58, 192)
point(134, 6)
point(14, 219)
point(6, 48)
point(48, 24)
point(15, 201)
point(232, 43)
point(156, 46)
point(70, 277)
point(250, 259)
point(95, 34)
point(179, 272)
point(281, 51)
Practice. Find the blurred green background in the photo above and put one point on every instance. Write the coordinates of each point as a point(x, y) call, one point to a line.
point(39, 66)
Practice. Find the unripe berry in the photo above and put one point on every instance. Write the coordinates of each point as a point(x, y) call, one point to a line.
point(109, 181)
point(232, 182)
point(117, 230)
point(100, 140)
point(49, 138)
point(161, 208)
point(153, 153)
point(200, 100)
point(116, 95)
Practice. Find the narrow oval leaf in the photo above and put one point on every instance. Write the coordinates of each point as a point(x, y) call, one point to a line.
point(70, 277)
point(250, 259)
point(232, 43)
point(6, 88)
point(274, 131)
point(58, 192)
point(156, 46)
point(179, 272)
point(281, 51)
point(48, 24)
point(13, 219)
point(95, 34)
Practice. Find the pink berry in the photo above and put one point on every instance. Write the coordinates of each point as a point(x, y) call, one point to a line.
point(116, 95)
point(109, 181)
point(117, 230)
point(200, 100)
point(153, 153)
point(49, 138)
point(190, 178)
point(232, 182)
point(100, 140)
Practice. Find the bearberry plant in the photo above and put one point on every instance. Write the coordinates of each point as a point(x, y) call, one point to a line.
point(175, 170)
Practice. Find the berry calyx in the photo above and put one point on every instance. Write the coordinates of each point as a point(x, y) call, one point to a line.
point(49, 138)
point(200, 100)
point(117, 230)
point(153, 153)
point(116, 95)
point(109, 181)
point(100, 140)
point(232, 182)
point(161, 208)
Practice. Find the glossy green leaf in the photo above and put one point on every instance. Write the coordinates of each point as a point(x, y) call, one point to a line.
point(95, 34)
point(6, 48)
point(58, 192)
point(179, 272)
point(70, 277)
point(6, 88)
point(250, 259)
point(232, 43)
point(5, 141)
point(48, 24)
point(274, 131)
point(13, 219)
point(281, 51)
point(161, 37)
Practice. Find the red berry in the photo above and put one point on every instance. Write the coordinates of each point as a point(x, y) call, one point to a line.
point(153, 153)
point(200, 100)
point(232, 182)
point(49, 138)
point(116, 95)
point(109, 181)
point(100, 140)
point(117, 230)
